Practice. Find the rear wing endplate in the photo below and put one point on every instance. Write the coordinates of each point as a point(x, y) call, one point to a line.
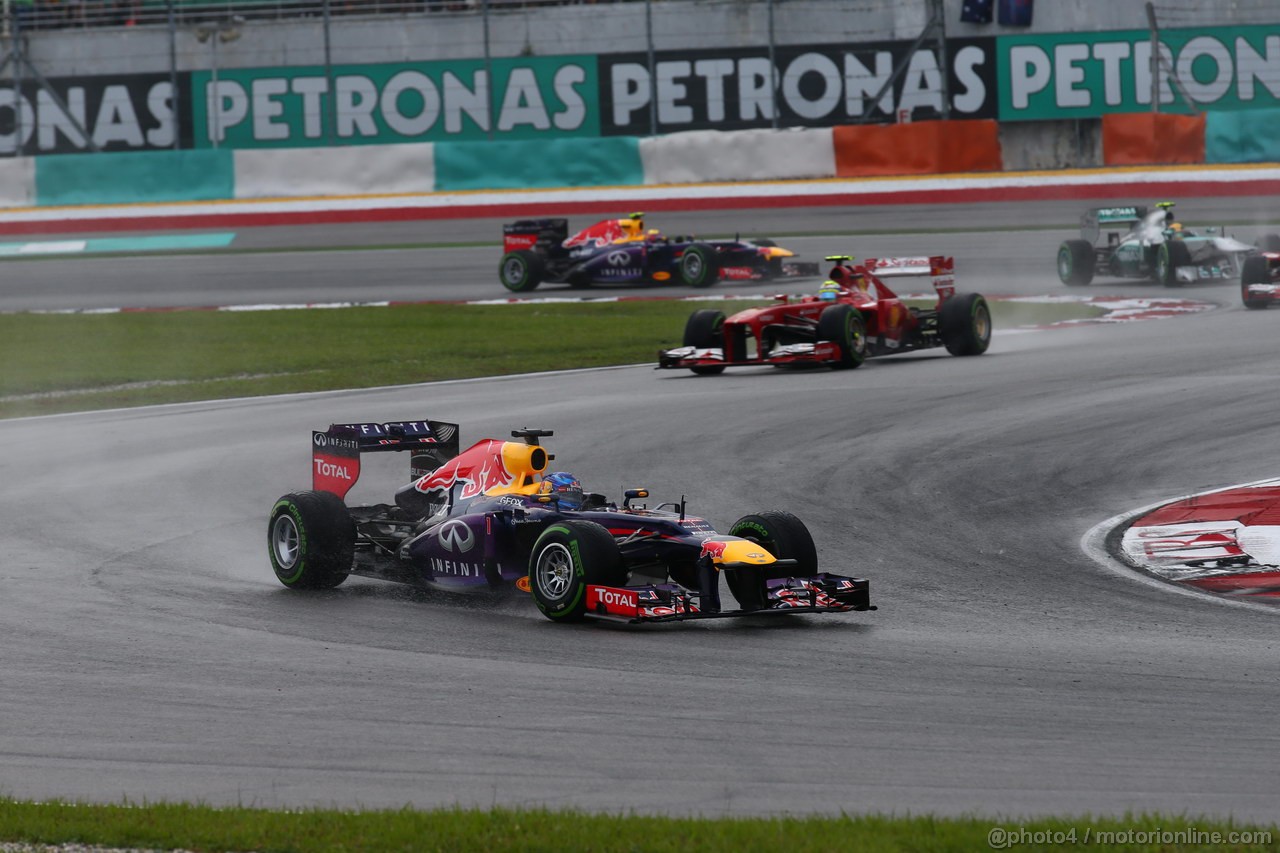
point(941, 269)
point(335, 452)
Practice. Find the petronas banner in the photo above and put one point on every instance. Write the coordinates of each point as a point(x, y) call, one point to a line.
point(1086, 75)
point(522, 98)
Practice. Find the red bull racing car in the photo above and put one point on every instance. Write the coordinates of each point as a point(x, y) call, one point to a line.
point(621, 251)
point(854, 316)
point(493, 518)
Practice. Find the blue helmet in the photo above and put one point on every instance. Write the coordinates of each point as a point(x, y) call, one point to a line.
point(829, 291)
point(564, 487)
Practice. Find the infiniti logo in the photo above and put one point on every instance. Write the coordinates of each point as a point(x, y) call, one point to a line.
point(618, 259)
point(456, 536)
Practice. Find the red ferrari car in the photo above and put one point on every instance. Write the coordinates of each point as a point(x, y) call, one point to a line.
point(1260, 279)
point(854, 316)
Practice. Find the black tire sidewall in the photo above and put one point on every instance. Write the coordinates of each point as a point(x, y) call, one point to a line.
point(594, 559)
point(837, 324)
point(707, 273)
point(1254, 270)
point(958, 324)
point(786, 538)
point(326, 540)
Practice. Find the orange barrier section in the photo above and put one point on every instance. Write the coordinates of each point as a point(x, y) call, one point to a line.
point(1139, 139)
point(918, 148)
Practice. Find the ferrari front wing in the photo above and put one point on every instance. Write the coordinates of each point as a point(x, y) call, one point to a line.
point(669, 602)
point(822, 352)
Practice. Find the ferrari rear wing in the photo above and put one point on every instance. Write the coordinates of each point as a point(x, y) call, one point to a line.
point(335, 452)
point(941, 269)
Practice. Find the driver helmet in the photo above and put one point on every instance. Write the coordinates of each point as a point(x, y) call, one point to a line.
point(1175, 227)
point(829, 291)
point(564, 487)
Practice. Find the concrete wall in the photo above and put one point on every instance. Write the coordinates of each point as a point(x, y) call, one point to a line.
point(1051, 144)
point(570, 29)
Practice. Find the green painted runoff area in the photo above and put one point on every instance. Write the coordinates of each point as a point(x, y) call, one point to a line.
point(154, 243)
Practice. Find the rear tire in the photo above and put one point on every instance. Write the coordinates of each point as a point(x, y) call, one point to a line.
point(843, 325)
point(566, 558)
point(311, 540)
point(521, 270)
point(698, 266)
point(786, 538)
point(1169, 256)
point(1076, 260)
point(705, 330)
point(964, 324)
point(1254, 271)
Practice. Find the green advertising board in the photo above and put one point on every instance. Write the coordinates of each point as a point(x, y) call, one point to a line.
point(1086, 75)
point(514, 98)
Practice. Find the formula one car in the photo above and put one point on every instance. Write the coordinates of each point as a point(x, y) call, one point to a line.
point(1260, 278)
point(855, 316)
point(1149, 244)
point(492, 518)
point(620, 251)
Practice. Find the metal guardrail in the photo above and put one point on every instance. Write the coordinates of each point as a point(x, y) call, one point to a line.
point(80, 14)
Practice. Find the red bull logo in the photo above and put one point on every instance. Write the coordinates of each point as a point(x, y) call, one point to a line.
point(713, 549)
point(478, 470)
point(601, 234)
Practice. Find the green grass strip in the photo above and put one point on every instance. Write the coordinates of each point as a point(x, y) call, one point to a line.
point(78, 362)
point(201, 828)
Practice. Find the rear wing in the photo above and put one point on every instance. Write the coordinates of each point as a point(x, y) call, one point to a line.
point(941, 269)
point(536, 234)
point(1124, 218)
point(335, 452)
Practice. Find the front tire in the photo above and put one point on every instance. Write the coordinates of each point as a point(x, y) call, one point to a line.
point(705, 330)
point(1254, 271)
point(566, 558)
point(1076, 260)
point(311, 540)
point(964, 324)
point(521, 270)
point(786, 538)
point(698, 267)
point(843, 325)
point(1169, 256)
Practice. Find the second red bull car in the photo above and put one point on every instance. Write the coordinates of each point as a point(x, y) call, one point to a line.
point(621, 251)
point(492, 518)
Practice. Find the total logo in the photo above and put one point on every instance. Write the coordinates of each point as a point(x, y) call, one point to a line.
point(616, 598)
point(325, 468)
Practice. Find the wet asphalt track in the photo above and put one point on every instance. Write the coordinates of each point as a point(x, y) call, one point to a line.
point(150, 654)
